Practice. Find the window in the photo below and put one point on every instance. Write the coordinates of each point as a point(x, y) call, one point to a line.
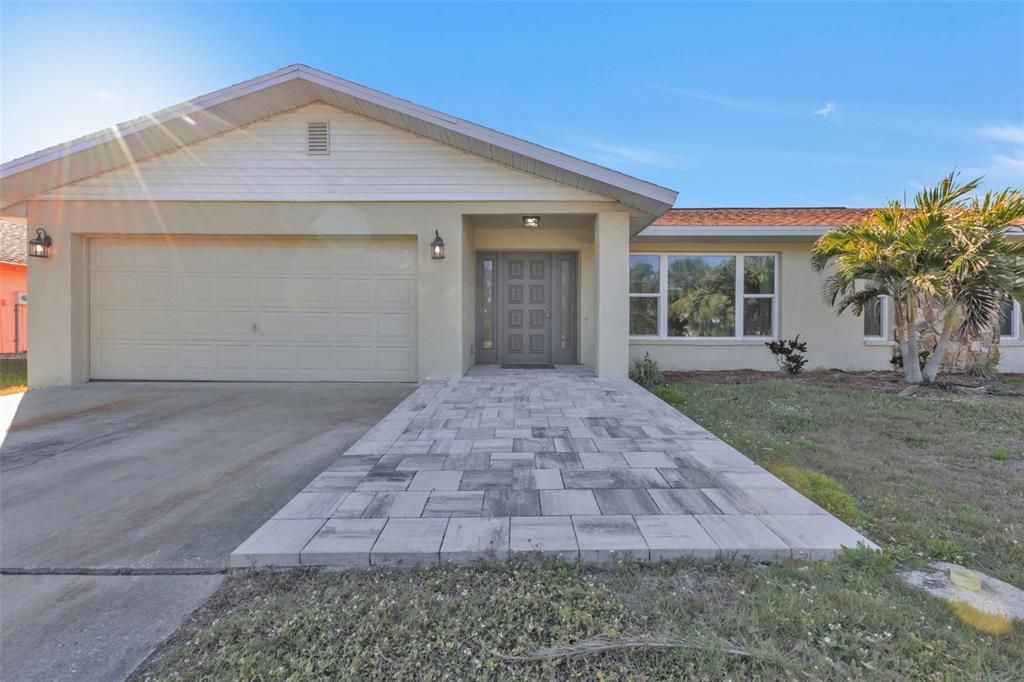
point(644, 295)
point(1010, 319)
point(702, 296)
point(876, 318)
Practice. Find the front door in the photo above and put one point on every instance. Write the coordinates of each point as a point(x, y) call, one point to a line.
point(526, 284)
point(526, 305)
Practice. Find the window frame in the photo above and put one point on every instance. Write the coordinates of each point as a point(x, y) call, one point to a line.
point(884, 322)
point(739, 294)
point(1016, 324)
point(662, 289)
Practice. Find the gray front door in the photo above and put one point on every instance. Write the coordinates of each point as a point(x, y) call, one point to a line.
point(526, 308)
point(525, 326)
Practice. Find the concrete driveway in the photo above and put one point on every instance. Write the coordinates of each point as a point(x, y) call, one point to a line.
point(120, 503)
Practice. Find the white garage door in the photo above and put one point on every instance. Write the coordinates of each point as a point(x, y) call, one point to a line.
point(253, 309)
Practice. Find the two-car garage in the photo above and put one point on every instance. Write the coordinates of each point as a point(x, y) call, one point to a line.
point(253, 309)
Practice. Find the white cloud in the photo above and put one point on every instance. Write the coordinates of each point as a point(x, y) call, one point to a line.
point(640, 156)
point(1013, 164)
point(108, 97)
point(727, 101)
point(828, 108)
point(1011, 134)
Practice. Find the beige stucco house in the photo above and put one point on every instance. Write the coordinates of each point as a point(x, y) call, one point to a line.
point(288, 228)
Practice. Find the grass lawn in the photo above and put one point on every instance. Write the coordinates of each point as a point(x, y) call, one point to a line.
point(925, 476)
point(13, 375)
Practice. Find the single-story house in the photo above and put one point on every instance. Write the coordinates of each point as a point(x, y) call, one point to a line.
point(298, 226)
point(13, 286)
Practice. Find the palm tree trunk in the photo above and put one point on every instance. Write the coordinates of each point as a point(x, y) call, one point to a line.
point(934, 364)
point(908, 343)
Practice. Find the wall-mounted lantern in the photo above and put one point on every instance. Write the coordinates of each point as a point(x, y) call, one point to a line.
point(40, 246)
point(531, 221)
point(437, 247)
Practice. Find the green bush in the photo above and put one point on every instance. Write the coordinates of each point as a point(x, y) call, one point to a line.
point(645, 371)
point(789, 354)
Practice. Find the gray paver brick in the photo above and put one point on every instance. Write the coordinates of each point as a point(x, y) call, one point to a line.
point(683, 501)
point(436, 480)
point(815, 537)
point(482, 480)
point(603, 460)
point(277, 542)
point(608, 538)
point(568, 502)
point(537, 479)
point(343, 542)
point(744, 536)
point(409, 542)
point(457, 503)
point(385, 480)
point(547, 535)
point(406, 503)
point(625, 501)
point(508, 502)
point(672, 536)
point(469, 539)
point(648, 460)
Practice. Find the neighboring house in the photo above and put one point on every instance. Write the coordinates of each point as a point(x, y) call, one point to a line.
point(13, 286)
point(283, 229)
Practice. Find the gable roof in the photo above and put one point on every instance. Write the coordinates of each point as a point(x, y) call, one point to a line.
point(287, 89)
point(13, 243)
point(828, 216)
point(771, 223)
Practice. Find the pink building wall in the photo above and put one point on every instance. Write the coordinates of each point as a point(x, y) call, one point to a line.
point(13, 278)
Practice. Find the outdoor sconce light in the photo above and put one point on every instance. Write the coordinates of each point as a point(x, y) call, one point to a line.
point(437, 247)
point(40, 246)
point(531, 221)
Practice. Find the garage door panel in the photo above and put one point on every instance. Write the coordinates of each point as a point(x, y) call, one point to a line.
point(400, 291)
point(338, 309)
point(232, 323)
point(356, 292)
point(395, 325)
point(397, 360)
point(354, 326)
point(236, 356)
point(197, 323)
point(235, 291)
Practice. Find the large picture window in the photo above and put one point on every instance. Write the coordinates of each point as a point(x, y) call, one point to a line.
point(703, 296)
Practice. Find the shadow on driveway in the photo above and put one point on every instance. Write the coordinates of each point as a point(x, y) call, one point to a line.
point(159, 480)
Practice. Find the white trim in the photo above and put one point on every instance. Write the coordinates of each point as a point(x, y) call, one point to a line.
point(738, 295)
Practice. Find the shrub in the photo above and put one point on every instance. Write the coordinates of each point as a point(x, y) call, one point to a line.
point(645, 371)
point(897, 358)
point(789, 354)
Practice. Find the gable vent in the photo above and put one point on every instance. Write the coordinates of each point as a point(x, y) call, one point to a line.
point(318, 137)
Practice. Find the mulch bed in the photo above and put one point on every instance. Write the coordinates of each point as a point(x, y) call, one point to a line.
point(1004, 384)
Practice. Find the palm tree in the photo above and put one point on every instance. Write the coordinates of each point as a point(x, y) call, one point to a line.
point(951, 252)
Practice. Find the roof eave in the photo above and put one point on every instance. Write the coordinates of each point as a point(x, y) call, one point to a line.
point(210, 115)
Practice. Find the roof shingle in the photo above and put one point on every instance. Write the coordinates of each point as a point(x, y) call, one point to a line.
point(13, 243)
point(830, 216)
point(825, 216)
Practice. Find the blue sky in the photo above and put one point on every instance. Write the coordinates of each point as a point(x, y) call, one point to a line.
point(731, 104)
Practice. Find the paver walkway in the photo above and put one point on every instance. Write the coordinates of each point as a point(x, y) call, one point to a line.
point(502, 462)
